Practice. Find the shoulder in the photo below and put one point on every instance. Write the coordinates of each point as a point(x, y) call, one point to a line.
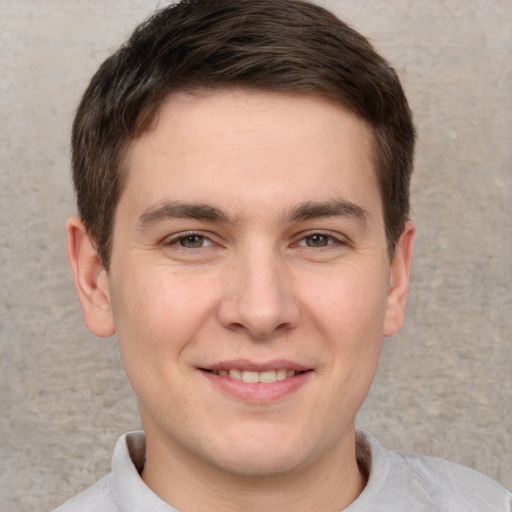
point(453, 486)
point(123, 484)
point(402, 481)
point(123, 489)
point(98, 498)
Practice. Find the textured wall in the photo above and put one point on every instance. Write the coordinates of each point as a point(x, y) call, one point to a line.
point(444, 386)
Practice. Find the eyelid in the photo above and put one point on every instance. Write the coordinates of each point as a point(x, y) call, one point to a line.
point(299, 239)
point(334, 238)
point(176, 237)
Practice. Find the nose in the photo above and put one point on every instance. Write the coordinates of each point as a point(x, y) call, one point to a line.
point(258, 298)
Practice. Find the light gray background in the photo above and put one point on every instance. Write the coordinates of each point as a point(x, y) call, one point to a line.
point(444, 385)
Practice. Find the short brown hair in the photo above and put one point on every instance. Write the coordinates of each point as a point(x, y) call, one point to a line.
point(271, 45)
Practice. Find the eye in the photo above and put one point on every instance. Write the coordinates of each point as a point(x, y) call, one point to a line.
point(191, 241)
point(317, 240)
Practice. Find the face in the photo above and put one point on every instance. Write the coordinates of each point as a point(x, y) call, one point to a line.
point(250, 285)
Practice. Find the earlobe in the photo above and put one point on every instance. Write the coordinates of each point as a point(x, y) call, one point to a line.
point(399, 281)
point(91, 279)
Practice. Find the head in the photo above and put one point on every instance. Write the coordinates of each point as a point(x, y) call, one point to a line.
point(242, 173)
point(203, 45)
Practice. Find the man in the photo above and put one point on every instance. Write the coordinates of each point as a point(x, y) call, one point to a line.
point(242, 172)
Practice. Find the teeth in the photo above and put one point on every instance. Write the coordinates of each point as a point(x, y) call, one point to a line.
point(250, 377)
point(268, 377)
point(235, 374)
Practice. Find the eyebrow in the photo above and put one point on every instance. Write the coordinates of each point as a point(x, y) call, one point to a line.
point(310, 210)
point(181, 210)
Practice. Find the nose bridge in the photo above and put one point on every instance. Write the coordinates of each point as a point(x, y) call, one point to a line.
point(259, 298)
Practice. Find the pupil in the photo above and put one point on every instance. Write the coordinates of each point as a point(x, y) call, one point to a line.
point(318, 240)
point(192, 241)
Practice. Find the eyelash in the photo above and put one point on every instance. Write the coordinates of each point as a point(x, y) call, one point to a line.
point(331, 240)
point(177, 240)
point(302, 241)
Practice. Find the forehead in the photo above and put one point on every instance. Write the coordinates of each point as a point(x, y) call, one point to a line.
point(237, 148)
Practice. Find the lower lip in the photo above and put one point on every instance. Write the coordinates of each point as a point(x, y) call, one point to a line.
point(258, 392)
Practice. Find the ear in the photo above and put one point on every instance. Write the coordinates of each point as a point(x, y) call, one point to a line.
point(91, 279)
point(399, 281)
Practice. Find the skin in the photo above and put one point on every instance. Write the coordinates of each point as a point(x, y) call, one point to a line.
point(250, 234)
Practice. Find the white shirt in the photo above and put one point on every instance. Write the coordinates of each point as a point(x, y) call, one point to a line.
point(397, 482)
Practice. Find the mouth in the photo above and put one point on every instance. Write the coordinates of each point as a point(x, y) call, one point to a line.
point(254, 377)
point(258, 383)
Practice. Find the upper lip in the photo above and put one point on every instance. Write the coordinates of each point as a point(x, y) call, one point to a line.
point(252, 366)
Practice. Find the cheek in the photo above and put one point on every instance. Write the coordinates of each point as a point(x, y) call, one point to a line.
point(350, 315)
point(157, 313)
point(351, 300)
point(153, 331)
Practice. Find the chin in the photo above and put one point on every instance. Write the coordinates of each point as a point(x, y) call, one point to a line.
point(258, 456)
point(263, 466)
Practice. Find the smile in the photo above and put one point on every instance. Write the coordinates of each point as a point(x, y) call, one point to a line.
point(252, 377)
point(258, 383)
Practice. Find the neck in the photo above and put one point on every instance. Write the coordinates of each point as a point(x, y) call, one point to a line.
point(331, 483)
